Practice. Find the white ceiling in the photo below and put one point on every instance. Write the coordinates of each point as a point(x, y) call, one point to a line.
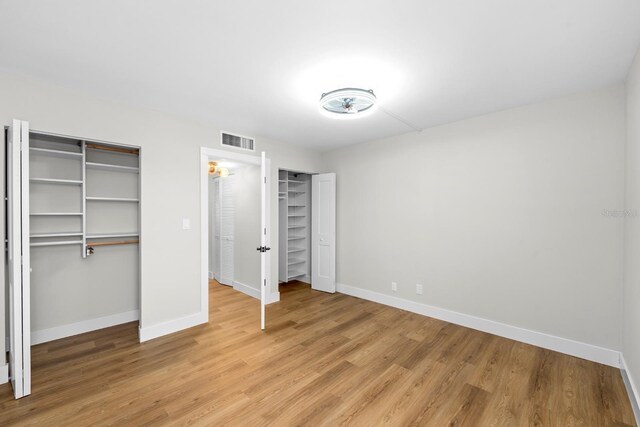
point(259, 67)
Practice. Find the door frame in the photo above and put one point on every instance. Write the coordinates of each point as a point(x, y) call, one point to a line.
point(207, 154)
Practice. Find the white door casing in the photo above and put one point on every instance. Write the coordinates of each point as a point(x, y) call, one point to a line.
point(323, 232)
point(265, 238)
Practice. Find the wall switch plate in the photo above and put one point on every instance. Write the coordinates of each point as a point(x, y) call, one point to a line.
point(186, 224)
point(394, 286)
point(419, 289)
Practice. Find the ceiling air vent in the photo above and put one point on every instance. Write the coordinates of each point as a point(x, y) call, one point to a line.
point(237, 141)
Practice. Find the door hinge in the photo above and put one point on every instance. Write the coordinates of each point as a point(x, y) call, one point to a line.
point(263, 249)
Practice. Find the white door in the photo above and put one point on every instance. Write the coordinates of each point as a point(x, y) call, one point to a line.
point(265, 239)
point(227, 216)
point(323, 232)
point(18, 226)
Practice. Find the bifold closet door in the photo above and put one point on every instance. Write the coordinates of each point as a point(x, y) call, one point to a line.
point(227, 231)
point(19, 261)
point(323, 232)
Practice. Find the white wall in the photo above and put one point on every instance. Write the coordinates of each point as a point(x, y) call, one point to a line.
point(170, 270)
point(631, 298)
point(499, 217)
point(246, 199)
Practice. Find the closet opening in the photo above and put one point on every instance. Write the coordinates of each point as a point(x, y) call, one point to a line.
point(307, 233)
point(73, 233)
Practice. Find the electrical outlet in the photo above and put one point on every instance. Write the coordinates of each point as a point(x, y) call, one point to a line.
point(419, 289)
point(394, 286)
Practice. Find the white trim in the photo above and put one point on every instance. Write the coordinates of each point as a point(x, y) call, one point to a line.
point(255, 293)
point(632, 390)
point(246, 289)
point(563, 345)
point(211, 275)
point(166, 328)
point(204, 234)
point(57, 332)
point(273, 297)
point(4, 373)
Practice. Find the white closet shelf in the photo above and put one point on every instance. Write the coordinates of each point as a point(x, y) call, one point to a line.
point(59, 234)
point(56, 181)
point(56, 214)
point(294, 274)
point(297, 182)
point(295, 261)
point(296, 216)
point(111, 199)
point(111, 235)
point(296, 237)
point(297, 226)
point(294, 250)
point(61, 243)
point(56, 153)
point(110, 167)
point(296, 192)
point(282, 181)
point(297, 206)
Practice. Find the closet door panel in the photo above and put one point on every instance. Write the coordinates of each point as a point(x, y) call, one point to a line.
point(227, 215)
point(323, 249)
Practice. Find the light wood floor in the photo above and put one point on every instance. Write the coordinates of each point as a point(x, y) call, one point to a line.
point(325, 360)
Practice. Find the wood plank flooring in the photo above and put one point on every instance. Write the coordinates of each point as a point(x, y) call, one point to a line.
point(325, 360)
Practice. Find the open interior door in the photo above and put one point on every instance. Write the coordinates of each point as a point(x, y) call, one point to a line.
point(18, 258)
point(323, 232)
point(265, 239)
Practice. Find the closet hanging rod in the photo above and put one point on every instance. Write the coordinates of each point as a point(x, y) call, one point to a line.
point(121, 242)
point(114, 149)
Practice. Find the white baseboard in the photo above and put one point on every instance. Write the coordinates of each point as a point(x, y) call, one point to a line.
point(211, 275)
point(4, 373)
point(165, 328)
point(255, 293)
point(55, 333)
point(632, 390)
point(246, 289)
point(273, 297)
point(563, 345)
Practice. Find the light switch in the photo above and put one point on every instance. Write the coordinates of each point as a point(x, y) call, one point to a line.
point(186, 224)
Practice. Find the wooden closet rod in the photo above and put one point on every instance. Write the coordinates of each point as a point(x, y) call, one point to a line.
point(121, 242)
point(115, 149)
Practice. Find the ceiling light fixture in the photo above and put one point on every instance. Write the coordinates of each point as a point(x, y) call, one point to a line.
point(348, 102)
